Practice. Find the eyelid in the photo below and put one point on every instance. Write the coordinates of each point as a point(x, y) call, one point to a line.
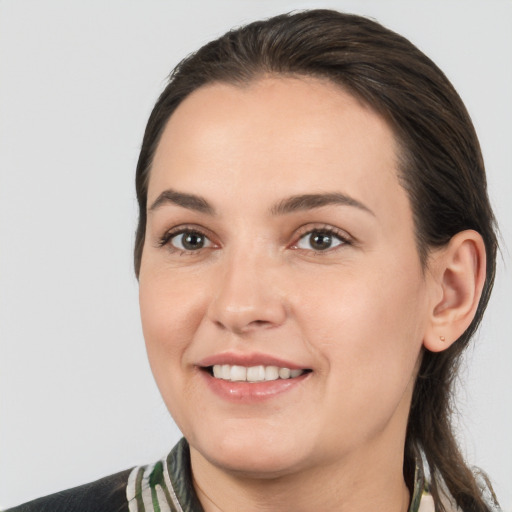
point(341, 234)
point(165, 239)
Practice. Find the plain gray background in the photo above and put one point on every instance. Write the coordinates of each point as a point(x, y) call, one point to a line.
point(77, 82)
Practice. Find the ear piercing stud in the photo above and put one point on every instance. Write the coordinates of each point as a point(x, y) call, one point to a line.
point(442, 338)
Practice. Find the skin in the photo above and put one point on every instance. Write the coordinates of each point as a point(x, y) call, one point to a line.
point(356, 314)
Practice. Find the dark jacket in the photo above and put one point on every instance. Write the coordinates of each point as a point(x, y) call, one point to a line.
point(105, 495)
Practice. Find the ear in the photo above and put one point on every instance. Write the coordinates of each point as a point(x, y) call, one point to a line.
point(458, 275)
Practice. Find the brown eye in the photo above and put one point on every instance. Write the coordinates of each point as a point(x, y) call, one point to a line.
point(319, 240)
point(189, 241)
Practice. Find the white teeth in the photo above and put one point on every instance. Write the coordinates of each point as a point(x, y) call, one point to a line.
point(226, 371)
point(238, 373)
point(256, 373)
point(271, 373)
point(259, 373)
point(284, 373)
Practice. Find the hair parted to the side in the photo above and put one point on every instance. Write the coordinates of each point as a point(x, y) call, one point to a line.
point(441, 169)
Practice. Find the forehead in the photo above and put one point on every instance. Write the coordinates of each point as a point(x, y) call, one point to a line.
point(276, 135)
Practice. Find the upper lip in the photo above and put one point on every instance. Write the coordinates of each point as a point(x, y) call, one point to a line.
point(252, 359)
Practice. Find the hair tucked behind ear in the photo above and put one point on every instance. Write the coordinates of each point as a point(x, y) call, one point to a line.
point(441, 169)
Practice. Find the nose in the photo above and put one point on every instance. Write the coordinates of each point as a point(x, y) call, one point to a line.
point(248, 296)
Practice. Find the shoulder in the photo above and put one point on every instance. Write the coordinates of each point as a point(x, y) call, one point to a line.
point(107, 494)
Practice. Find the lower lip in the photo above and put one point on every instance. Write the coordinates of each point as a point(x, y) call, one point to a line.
point(249, 392)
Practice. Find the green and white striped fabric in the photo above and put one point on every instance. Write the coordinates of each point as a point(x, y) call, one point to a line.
point(150, 489)
point(166, 486)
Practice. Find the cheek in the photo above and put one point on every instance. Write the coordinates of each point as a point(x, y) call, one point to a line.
point(362, 304)
point(368, 330)
point(170, 314)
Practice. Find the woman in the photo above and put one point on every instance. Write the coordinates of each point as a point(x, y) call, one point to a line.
point(315, 249)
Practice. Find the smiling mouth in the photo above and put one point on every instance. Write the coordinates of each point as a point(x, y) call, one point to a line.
point(252, 374)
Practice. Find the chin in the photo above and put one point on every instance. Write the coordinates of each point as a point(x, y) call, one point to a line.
point(260, 465)
point(253, 453)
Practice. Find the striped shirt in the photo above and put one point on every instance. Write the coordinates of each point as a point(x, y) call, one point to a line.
point(166, 486)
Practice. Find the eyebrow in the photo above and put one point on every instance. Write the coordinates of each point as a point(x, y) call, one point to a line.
point(189, 201)
point(311, 201)
point(289, 205)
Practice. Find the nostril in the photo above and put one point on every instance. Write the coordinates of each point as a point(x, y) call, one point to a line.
point(240, 307)
point(259, 323)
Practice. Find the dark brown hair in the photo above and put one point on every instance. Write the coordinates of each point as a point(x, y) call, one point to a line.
point(441, 167)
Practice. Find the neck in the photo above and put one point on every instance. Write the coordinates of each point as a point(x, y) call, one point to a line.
point(360, 483)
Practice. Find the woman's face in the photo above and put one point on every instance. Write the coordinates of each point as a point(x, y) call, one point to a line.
point(279, 237)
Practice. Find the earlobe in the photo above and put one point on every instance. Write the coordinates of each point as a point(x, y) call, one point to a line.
point(458, 280)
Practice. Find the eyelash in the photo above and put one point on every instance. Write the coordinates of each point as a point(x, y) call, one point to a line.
point(169, 235)
point(329, 231)
point(323, 230)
